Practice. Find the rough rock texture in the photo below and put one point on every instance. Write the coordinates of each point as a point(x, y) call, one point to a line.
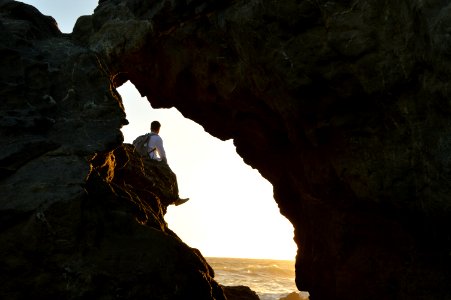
point(239, 293)
point(344, 106)
point(80, 215)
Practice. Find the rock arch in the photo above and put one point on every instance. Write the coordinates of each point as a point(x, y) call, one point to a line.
point(349, 98)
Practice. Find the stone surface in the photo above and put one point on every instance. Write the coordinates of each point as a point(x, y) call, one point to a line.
point(81, 215)
point(239, 293)
point(294, 296)
point(350, 98)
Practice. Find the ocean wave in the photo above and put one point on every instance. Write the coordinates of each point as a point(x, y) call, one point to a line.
point(255, 266)
point(270, 279)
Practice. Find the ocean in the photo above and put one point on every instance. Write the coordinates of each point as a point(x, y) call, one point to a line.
point(270, 279)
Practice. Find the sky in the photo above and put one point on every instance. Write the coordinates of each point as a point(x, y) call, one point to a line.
point(231, 211)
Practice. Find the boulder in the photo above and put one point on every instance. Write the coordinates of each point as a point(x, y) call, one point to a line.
point(239, 293)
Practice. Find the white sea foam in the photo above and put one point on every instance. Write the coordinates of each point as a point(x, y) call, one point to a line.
point(270, 279)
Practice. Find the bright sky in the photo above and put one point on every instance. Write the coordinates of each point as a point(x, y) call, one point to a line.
point(231, 212)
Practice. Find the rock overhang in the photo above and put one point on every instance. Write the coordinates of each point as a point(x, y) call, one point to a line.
point(352, 105)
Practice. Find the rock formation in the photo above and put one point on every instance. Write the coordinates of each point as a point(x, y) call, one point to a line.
point(81, 217)
point(240, 293)
point(344, 106)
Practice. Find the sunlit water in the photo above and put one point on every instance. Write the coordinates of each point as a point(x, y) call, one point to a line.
point(270, 279)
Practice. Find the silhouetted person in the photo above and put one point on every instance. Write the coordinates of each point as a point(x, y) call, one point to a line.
point(156, 152)
point(155, 144)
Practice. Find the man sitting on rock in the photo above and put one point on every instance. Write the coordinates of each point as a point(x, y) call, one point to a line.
point(156, 152)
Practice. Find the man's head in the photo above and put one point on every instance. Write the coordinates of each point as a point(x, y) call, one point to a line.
point(155, 126)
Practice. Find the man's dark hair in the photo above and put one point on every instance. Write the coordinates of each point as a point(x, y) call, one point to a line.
point(155, 125)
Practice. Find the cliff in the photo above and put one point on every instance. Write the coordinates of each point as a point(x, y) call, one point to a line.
point(82, 216)
point(351, 99)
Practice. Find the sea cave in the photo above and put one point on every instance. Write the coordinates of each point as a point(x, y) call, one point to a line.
point(351, 99)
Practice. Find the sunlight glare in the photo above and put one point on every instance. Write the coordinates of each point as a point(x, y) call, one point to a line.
point(231, 212)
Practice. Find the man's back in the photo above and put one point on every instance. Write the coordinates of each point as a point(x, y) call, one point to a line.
point(156, 142)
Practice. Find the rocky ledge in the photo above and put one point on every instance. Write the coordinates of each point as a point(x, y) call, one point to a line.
point(110, 243)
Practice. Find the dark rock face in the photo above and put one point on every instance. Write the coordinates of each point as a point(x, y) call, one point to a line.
point(80, 215)
point(240, 293)
point(343, 106)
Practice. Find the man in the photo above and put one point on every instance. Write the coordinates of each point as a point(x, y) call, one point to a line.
point(156, 151)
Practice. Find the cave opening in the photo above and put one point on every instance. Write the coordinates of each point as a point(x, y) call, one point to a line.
point(337, 174)
point(236, 196)
point(231, 212)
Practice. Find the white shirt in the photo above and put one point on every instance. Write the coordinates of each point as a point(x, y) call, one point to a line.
point(155, 141)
